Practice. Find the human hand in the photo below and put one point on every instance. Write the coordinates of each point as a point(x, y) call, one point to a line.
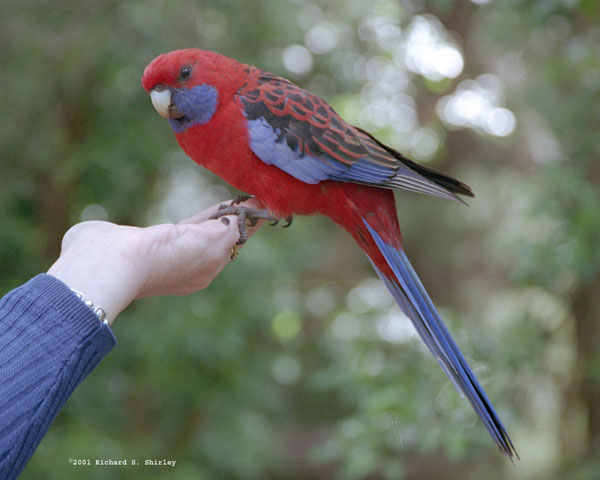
point(114, 264)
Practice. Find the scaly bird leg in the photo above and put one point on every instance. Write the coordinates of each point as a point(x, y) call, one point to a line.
point(241, 198)
point(247, 216)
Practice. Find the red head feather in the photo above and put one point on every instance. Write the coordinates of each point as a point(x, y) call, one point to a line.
point(223, 73)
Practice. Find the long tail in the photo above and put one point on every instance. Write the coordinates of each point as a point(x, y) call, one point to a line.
point(409, 293)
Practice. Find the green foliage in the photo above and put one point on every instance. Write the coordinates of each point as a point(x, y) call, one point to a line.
point(294, 363)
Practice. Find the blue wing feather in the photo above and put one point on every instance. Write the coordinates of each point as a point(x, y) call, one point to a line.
point(268, 145)
point(301, 134)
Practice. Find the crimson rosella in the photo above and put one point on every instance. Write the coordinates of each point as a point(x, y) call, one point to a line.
point(286, 146)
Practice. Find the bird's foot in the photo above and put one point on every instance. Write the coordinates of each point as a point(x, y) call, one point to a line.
point(288, 221)
point(247, 216)
point(241, 198)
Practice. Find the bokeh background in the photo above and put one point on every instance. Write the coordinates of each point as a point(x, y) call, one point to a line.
point(295, 363)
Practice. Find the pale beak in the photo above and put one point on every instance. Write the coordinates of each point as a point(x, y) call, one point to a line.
point(161, 99)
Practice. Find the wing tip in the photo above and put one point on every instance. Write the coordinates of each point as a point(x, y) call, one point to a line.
point(446, 182)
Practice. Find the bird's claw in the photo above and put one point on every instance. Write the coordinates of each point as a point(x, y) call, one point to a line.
point(288, 222)
point(235, 250)
point(241, 198)
point(248, 216)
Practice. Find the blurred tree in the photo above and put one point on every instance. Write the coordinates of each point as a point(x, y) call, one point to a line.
point(307, 370)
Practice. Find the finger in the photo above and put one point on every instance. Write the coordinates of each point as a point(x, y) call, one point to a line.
point(204, 215)
point(207, 213)
point(187, 257)
point(221, 233)
point(203, 218)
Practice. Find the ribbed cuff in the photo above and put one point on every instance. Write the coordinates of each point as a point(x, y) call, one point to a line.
point(54, 292)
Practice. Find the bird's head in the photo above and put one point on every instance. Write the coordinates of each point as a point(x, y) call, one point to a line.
point(186, 85)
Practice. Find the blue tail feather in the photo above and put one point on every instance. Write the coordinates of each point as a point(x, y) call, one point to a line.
point(409, 293)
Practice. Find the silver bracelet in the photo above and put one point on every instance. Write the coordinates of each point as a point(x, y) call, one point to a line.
point(97, 309)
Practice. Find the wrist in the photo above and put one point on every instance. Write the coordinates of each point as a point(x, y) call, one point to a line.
point(97, 309)
point(99, 285)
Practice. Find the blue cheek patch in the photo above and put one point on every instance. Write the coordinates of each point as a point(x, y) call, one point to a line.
point(198, 104)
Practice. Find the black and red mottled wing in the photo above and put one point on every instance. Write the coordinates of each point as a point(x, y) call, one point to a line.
point(301, 134)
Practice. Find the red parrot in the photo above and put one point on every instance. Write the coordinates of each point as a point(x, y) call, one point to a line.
point(286, 146)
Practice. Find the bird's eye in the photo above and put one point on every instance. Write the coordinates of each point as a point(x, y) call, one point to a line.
point(185, 73)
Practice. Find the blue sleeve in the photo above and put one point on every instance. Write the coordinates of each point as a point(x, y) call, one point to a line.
point(49, 342)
